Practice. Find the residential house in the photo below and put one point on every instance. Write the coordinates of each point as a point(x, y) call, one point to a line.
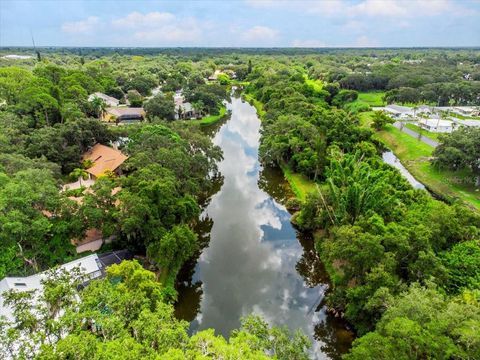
point(398, 112)
point(124, 115)
point(437, 125)
point(105, 159)
point(467, 110)
point(92, 267)
point(466, 123)
point(109, 101)
point(185, 111)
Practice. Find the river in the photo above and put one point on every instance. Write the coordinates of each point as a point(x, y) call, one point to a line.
point(254, 260)
point(390, 158)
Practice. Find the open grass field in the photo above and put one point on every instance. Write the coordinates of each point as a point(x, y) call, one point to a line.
point(372, 98)
point(415, 156)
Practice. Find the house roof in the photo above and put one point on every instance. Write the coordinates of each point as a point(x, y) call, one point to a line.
point(104, 159)
point(108, 99)
point(471, 123)
point(436, 123)
point(122, 111)
point(90, 266)
point(398, 109)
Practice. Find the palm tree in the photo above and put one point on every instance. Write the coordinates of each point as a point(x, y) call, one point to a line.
point(99, 106)
point(79, 173)
point(415, 108)
point(199, 107)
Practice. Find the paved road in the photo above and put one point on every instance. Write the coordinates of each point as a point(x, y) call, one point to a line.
point(416, 135)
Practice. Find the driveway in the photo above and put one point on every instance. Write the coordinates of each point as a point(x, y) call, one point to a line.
point(416, 135)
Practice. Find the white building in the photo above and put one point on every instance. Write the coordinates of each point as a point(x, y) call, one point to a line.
point(109, 101)
point(437, 125)
point(467, 110)
point(399, 112)
point(467, 123)
point(90, 266)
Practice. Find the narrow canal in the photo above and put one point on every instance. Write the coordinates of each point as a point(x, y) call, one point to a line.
point(255, 261)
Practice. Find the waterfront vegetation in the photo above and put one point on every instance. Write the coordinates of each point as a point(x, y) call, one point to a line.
point(364, 215)
point(415, 155)
point(211, 119)
point(392, 252)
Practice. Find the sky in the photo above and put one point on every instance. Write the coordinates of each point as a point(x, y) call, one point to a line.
point(241, 23)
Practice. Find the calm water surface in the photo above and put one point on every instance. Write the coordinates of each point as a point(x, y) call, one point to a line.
point(254, 261)
point(390, 158)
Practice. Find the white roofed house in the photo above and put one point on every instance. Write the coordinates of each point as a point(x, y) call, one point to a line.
point(437, 125)
point(36, 304)
point(108, 100)
point(399, 112)
point(89, 266)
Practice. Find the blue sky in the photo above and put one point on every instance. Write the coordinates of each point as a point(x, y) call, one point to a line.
point(331, 23)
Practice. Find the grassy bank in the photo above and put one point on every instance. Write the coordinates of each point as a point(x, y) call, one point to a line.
point(415, 156)
point(208, 120)
point(300, 184)
point(257, 104)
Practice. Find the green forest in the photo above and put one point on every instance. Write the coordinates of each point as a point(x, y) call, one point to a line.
point(403, 264)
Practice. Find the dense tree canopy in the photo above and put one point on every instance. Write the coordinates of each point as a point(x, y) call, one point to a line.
point(125, 316)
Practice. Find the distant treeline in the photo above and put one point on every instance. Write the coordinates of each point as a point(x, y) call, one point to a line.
point(208, 51)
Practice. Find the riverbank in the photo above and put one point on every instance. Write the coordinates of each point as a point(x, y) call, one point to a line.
point(300, 184)
point(209, 120)
point(415, 156)
point(256, 104)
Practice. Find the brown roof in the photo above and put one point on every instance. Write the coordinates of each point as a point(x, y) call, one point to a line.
point(104, 159)
point(119, 111)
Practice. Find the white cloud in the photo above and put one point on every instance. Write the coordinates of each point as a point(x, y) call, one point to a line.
point(389, 8)
point(370, 8)
point(81, 27)
point(160, 28)
point(149, 20)
point(259, 34)
point(311, 43)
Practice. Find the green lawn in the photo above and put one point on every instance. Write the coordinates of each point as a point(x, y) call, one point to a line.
point(208, 120)
point(406, 147)
point(415, 156)
point(372, 98)
point(299, 183)
point(426, 133)
point(463, 117)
